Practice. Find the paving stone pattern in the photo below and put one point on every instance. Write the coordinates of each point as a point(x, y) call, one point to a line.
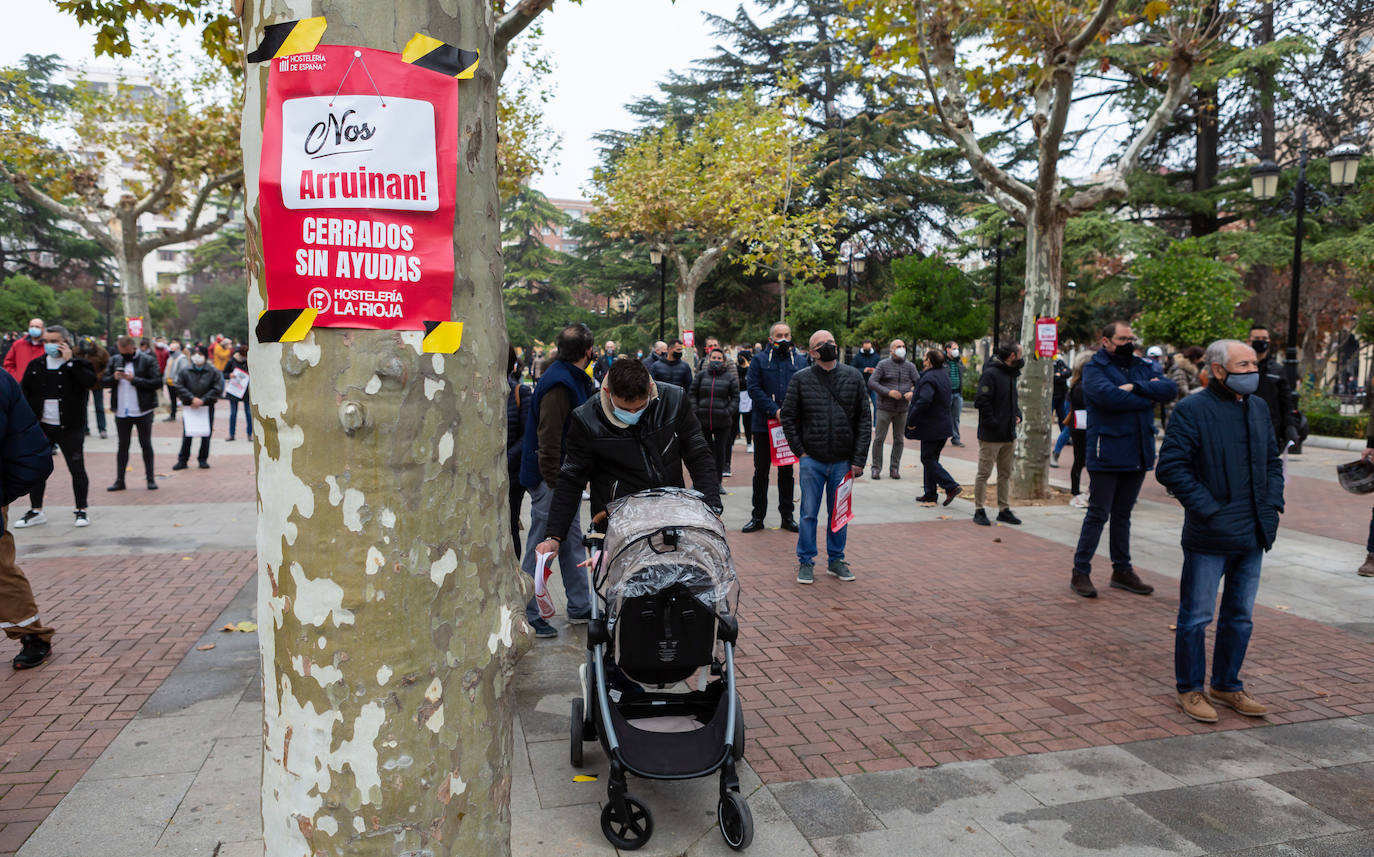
point(931, 658)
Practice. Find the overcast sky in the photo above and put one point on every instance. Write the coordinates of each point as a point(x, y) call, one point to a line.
point(607, 53)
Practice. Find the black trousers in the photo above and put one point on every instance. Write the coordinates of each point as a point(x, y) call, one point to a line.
point(204, 455)
point(124, 428)
point(517, 499)
point(1111, 497)
point(763, 462)
point(936, 476)
point(1079, 439)
point(719, 442)
point(71, 442)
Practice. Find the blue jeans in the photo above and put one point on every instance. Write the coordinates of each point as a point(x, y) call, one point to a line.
point(956, 407)
point(570, 552)
point(1111, 495)
point(818, 476)
point(1197, 596)
point(234, 412)
point(1061, 412)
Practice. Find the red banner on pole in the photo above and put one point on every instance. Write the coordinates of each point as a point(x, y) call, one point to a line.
point(1046, 337)
point(357, 188)
point(135, 326)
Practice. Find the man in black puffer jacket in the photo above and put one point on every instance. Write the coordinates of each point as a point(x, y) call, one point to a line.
point(826, 419)
point(1221, 459)
point(999, 413)
point(631, 436)
point(671, 368)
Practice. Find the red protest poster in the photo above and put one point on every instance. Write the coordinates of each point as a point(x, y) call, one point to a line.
point(357, 189)
point(844, 504)
point(135, 326)
point(1046, 337)
point(777, 445)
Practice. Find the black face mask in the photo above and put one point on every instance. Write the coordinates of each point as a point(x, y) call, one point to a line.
point(782, 344)
point(827, 352)
point(1261, 346)
point(674, 356)
point(1124, 352)
point(1017, 363)
point(716, 367)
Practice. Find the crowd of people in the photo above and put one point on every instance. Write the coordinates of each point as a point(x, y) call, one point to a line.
point(1212, 423)
point(53, 388)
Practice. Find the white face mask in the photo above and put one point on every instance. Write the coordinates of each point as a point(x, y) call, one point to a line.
point(899, 353)
point(954, 352)
point(197, 359)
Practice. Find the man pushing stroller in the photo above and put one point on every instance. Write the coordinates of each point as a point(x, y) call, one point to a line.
point(633, 435)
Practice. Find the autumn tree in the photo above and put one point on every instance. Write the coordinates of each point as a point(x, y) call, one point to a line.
point(1020, 62)
point(727, 184)
point(164, 148)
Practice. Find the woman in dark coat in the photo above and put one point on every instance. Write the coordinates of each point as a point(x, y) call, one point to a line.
point(715, 397)
point(930, 422)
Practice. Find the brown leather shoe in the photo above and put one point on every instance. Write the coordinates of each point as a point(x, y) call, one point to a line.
point(1240, 701)
point(1126, 579)
point(1196, 706)
point(1367, 570)
point(1082, 584)
point(952, 493)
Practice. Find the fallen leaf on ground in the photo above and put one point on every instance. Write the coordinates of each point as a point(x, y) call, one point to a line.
point(997, 540)
point(229, 627)
point(944, 517)
point(1282, 607)
point(585, 778)
point(205, 648)
point(1173, 627)
point(246, 626)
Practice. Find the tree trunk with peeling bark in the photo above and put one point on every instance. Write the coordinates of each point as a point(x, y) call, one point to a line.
point(690, 277)
point(389, 600)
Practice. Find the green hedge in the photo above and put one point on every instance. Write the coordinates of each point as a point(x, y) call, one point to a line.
point(1335, 425)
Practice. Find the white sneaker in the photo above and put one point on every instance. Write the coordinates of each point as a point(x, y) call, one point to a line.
point(82, 519)
point(749, 448)
point(1079, 501)
point(32, 518)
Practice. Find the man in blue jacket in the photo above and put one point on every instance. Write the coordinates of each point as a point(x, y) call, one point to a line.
point(1221, 459)
point(769, 375)
point(1121, 391)
point(561, 389)
point(25, 462)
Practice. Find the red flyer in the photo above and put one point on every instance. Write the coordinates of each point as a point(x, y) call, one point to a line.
point(1046, 337)
point(135, 326)
point(844, 504)
point(777, 445)
point(357, 189)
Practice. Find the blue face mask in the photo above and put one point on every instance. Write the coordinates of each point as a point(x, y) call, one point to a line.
point(35, 332)
point(1242, 383)
point(51, 348)
point(629, 418)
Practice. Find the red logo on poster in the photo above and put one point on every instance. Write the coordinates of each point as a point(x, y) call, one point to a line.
point(135, 326)
point(1046, 337)
point(357, 188)
point(689, 339)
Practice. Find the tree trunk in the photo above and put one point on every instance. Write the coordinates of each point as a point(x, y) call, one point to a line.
point(1044, 281)
point(389, 600)
point(132, 290)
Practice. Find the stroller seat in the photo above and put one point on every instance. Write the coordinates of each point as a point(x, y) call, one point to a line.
point(663, 637)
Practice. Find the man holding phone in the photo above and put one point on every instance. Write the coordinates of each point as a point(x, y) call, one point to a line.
point(133, 379)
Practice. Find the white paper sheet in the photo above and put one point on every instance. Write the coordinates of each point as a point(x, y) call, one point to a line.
point(195, 422)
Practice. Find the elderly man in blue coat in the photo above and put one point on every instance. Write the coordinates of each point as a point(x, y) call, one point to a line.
point(1221, 459)
point(1121, 391)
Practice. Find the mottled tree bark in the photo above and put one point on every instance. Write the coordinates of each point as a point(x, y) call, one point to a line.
point(389, 599)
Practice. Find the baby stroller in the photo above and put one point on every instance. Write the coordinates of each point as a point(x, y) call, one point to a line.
point(664, 610)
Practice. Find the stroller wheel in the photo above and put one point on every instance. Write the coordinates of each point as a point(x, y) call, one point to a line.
point(629, 834)
point(736, 821)
point(576, 725)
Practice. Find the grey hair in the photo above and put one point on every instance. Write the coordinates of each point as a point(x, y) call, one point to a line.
point(1218, 351)
point(60, 331)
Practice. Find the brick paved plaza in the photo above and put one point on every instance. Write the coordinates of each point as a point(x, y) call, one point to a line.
point(957, 644)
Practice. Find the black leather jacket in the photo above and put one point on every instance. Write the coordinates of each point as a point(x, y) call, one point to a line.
point(618, 460)
point(826, 416)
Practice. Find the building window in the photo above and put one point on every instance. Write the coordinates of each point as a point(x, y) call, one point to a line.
point(167, 280)
point(166, 255)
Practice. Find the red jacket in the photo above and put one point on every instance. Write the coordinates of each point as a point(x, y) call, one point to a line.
point(18, 357)
point(161, 354)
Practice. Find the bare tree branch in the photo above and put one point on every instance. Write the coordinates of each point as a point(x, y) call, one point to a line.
point(1114, 185)
point(954, 118)
point(513, 22)
point(191, 231)
point(98, 233)
point(1104, 12)
point(158, 193)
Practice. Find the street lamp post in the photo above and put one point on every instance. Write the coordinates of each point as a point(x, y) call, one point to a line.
point(656, 256)
point(1264, 183)
point(848, 269)
point(994, 244)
